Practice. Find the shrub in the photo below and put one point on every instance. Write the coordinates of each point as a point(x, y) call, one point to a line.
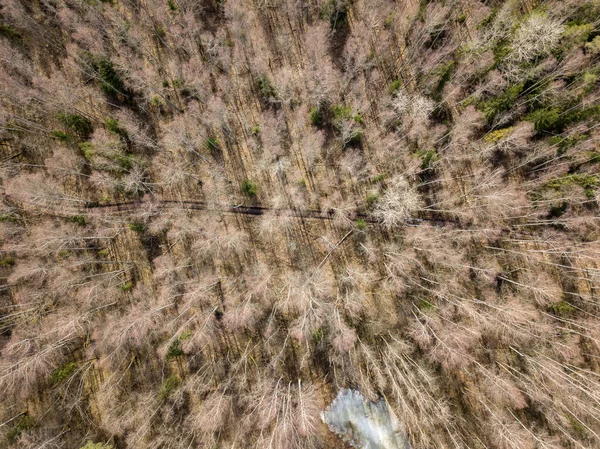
point(389, 21)
point(9, 32)
point(594, 157)
point(422, 10)
point(92, 445)
point(24, 424)
point(265, 88)
point(578, 115)
point(317, 335)
point(489, 20)
point(9, 217)
point(355, 137)
point(594, 46)
point(445, 72)
point(175, 349)
point(63, 253)
point(87, 149)
point(125, 162)
point(425, 305)
point(212, 144)
point(337, 10)
point(168, 387)
point(583, 13)
point(427, 158)
point(137, 227)
point(552, 120)
point(63, 372)
point(562, 308)
point(586, 181)
point(172, 6)
point(503, 102)
point(372, 198)
point(437, 36)
point(361, 224)
point(558, 211)
point(589, 82)
point(316, 116)
point(575, 424)
point(578, 34)
point(395, 86)
point(78, 219)
point(161, 31)
point(345, 123)
point(78, 124)
point(113, 126)
point(157, 102)
point(126, 287)
point(546, 119)
point(501, 51)
point(564, 143)
point(249, 188)
point(498, 135)
point(8, 261)
point(61, 135)
point(341, 112)
point(111, 83)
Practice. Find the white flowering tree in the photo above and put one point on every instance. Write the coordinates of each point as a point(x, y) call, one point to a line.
point(363, 424)
point(399, 202)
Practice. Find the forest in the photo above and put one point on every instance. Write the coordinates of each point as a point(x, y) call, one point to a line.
point(221, 219)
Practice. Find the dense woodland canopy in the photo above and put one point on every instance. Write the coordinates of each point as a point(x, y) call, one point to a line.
point(215, 214)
